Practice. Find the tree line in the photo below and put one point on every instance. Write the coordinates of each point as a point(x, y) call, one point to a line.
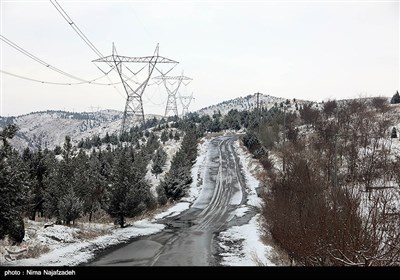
point(68, 182)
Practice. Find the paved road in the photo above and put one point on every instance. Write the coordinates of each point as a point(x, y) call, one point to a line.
point(188, 238)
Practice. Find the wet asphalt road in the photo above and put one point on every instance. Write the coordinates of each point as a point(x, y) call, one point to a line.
point(189, 238)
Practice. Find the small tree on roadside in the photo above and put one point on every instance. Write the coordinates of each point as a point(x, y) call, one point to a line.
point(164, 136)
point(159, 159)
point(396, 98)
point(394, 133)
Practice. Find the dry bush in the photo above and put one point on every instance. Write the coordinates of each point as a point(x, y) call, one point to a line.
point(319, 214)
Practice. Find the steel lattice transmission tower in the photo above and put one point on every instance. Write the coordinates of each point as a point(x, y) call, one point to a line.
point(185, 101)
point(134, 93)
point(171, 101)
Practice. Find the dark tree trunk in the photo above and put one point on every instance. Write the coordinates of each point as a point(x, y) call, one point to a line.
point(121, 221)
point(37, 207)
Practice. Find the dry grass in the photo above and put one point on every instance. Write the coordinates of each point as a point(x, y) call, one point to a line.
point(100, 217)
point(34, 252)
point(214, 134)
point(88, 234)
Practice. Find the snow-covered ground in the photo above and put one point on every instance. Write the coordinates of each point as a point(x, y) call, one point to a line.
point(67, 249)
point(242, 245)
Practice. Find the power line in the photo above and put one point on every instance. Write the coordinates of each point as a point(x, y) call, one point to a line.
point(84, 38)
point(64, 14)
point(51, 83)
point(49, 66)
point(68, 19)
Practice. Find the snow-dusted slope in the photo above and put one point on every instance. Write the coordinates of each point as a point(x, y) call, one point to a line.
point(245, 103)
point(49, 128)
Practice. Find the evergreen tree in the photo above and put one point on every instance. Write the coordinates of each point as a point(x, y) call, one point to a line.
point(164, 136)
point(70, 207)
point(394, 133)
point(396, 98)
point(159, 160)
point(179, 178)
point(37, 170)
point(107, 138)
point(59, 181)
point(129, 193)
point(14, 188)
point(8, 133)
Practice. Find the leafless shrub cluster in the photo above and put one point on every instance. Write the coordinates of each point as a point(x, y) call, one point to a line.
point(336, 201)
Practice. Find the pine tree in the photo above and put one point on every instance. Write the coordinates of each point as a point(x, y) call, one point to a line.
point(37, 170)
point(107, 138)
point(129, 193)
point(8, 133)
point(179, 178)
point(396, 98)
point(159, 160)
point(89, 184)
point(164, 136)
point(394, 133)
point(59, 181)
point(70, 208)
point(14, 188)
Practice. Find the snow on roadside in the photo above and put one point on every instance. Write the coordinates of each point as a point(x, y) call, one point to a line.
point(243, 247)
point(75, 251)
point(241, 211)
point(198, 171)
point(173, 211)
point(250, 166)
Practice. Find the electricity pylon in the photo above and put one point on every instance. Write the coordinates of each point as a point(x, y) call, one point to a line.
point(171, 101)
point(134, 103)
point(185, 101)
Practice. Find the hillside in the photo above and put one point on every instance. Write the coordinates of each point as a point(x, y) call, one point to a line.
point(248, 102)
point(49, 128)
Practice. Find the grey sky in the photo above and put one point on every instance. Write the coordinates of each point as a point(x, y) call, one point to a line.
point(295, 49)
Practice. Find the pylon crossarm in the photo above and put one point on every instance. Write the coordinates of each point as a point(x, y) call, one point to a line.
point(172, 78)
point(139, 59)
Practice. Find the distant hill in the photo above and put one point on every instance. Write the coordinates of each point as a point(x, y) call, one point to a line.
point(49, 128)
point(246, 103)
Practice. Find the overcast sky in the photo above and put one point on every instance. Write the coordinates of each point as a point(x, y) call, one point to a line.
point(296, 49)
